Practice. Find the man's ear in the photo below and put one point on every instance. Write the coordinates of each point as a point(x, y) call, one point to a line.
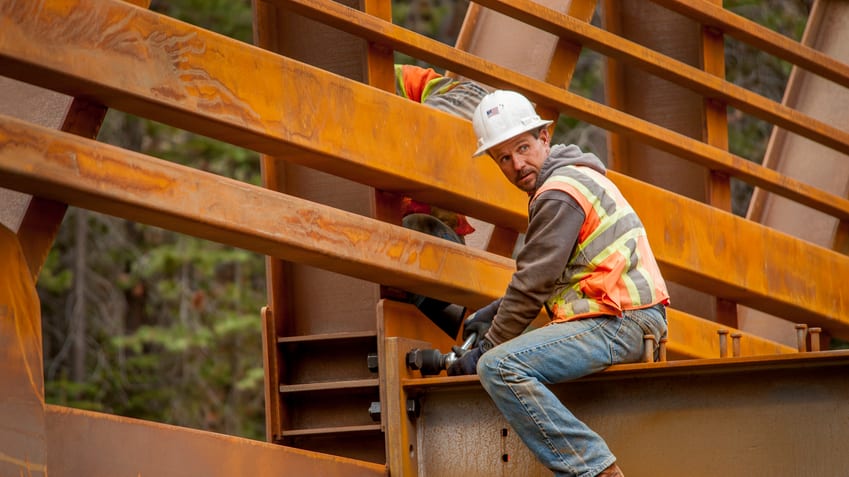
point(545, 136)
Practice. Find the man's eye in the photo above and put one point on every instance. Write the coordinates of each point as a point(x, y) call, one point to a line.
point(523, 148)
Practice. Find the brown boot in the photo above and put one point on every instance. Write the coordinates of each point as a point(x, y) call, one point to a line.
point(612, 471)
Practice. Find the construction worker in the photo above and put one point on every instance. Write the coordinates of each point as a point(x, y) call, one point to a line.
point(587, 261)
point(426, 86)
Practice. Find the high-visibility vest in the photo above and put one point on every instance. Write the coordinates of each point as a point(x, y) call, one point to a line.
point(612, 268)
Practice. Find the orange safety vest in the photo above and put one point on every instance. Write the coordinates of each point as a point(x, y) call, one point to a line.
point(612, 268)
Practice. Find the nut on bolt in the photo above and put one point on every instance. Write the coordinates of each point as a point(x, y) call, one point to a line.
point(414, 409)
point(372, 362)
point(374, 411)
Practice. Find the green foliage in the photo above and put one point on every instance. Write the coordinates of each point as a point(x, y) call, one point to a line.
point(52, 278)
point(231, 18)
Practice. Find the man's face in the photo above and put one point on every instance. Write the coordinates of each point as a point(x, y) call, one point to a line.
point(521, 158)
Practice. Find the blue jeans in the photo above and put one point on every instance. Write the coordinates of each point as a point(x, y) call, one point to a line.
point(515, 374)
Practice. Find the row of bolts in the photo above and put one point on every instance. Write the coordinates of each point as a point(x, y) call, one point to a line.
point(802, 331)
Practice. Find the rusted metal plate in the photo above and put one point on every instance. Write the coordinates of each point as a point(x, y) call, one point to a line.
point(23, 444)
point(93, 444)
point(734, 417)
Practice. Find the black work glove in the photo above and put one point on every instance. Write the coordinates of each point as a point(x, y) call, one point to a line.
point(466, 364)
point(467, 361)
point(480, 321)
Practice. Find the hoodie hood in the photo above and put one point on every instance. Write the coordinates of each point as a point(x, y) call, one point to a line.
point(568, 155)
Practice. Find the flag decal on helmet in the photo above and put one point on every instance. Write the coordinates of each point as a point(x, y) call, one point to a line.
point(492, 112)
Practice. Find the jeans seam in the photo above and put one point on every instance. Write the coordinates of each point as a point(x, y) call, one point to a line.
point(528, 410)
point(537, 423)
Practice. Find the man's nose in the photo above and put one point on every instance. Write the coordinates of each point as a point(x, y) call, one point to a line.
point(518, 163)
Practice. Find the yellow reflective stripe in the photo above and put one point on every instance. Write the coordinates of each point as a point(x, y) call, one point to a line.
point(400, 90)
point(435, 85)
point(593, 199)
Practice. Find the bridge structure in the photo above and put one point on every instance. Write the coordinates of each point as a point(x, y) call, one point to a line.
point(749, 387)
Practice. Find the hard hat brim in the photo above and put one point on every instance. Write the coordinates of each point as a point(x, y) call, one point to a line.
point(520, 129)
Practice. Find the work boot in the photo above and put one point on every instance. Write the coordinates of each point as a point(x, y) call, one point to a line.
point(612, 471)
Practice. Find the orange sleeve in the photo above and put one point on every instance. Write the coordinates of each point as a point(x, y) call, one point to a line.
point(415, 78)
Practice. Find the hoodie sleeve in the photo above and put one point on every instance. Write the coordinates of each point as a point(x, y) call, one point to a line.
point(556, 221)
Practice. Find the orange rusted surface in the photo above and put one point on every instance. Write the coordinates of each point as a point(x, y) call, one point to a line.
point(670, 69)
point(713, 251)
point(801, 282)
point(694, 337)
point(279, 120)
point(23, 449)
point(130, 185)
point(327, 122)
point(101, 445)
point(768, 40)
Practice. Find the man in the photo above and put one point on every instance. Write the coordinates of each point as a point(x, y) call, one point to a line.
point(426, 86)
point(586, 259)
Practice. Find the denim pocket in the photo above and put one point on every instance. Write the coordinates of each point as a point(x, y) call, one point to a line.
point(652, 320)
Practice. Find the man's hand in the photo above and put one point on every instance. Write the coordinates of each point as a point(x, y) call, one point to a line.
point(480, 321)
point(467, 361)
point(466, 364)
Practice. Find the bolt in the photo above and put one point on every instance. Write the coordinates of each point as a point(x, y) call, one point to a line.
point(735, 344)
point(374, 411)
point(663, 342)
point(648, 348)
point(414, 409)
point(372, 362)
point(723, 342)
point(801, 334)
point(415, 359)
point(815, 338)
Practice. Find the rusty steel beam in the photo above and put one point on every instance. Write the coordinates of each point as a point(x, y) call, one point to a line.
point(217, 99)
point(157, 67)
point(23, 444)
point(756, 416)
point(704, 83)
point(100, 445)
point(727, 256)
point(114, 181)
point(548, 95)
point(803, 282)
point(761, 37)
point(694, 337)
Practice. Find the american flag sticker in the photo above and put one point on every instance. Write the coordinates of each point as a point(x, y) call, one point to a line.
point(492, 112)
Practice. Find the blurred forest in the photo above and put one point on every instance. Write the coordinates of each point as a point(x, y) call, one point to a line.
point(146, 323)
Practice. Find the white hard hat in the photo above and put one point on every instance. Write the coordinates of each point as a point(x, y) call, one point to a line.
point(503, 115)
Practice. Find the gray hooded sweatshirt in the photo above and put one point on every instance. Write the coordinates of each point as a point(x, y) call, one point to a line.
point(554, 222)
